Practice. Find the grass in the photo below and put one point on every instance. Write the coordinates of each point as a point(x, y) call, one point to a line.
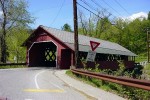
point(140, 58)
point(69, 73)
point(12, 66)
point(147, 69)
point(92, 81)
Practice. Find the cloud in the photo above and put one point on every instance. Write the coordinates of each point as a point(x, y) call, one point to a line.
point(139, 15)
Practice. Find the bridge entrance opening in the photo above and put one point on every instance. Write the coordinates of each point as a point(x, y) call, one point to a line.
point(43, 54)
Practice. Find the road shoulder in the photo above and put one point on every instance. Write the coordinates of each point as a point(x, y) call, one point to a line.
point(87, 89)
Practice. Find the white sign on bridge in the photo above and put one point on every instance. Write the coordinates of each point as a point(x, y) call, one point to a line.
point(91, 56)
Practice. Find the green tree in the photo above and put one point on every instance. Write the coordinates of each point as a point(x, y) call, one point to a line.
point(66, 27)
point(82, 29)
point(148, 15)
point(120, 26)
point(129, 34)
point(14, 41)
point(103, 27)
point(137, 36)
point(94, 25)
point(14, 13)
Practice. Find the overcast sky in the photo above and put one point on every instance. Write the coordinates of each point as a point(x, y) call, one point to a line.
point(55, 13)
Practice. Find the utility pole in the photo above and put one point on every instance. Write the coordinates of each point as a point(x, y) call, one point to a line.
point(76, 47)
point(148, 45)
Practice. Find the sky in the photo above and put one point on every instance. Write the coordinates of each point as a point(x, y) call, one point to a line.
point(55, 13)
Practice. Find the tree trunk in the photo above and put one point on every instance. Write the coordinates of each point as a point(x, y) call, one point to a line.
point(3, 39)
point(3, 49)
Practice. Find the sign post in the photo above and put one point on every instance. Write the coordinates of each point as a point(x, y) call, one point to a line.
point(92, 54)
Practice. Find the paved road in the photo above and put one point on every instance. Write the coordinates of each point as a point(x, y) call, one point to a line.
point(35, 84)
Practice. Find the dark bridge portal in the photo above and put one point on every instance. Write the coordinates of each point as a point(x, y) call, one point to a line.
point(43, 54)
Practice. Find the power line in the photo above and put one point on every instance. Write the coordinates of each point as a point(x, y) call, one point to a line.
point(88, 5)
point(89, 10)
point(122, 7)
point(96, 3)
point(58, 12)
point(111, 7)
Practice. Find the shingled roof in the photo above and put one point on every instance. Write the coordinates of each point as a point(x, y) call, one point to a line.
point(105, 47)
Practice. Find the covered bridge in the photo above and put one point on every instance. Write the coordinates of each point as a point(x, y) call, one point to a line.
point(55, 48)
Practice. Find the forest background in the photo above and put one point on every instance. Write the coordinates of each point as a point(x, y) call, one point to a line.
point(15, 28)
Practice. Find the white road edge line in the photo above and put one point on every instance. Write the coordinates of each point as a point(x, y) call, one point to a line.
point(35, 79)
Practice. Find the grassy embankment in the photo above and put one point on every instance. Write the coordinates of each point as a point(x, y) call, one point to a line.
point(124, 91)
point(12, 66)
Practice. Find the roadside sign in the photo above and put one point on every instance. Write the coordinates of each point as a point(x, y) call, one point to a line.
point(94, 45)
point(91, 56)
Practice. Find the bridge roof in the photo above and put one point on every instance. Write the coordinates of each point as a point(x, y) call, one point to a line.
point(105, 47)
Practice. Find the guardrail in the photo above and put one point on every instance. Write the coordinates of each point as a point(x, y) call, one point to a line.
point(11, 64)
point(142, 84)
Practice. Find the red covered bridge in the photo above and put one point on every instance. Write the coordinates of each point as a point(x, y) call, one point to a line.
point(55, 48)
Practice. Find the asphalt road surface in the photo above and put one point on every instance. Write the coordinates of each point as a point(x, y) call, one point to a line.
point(35, 84)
